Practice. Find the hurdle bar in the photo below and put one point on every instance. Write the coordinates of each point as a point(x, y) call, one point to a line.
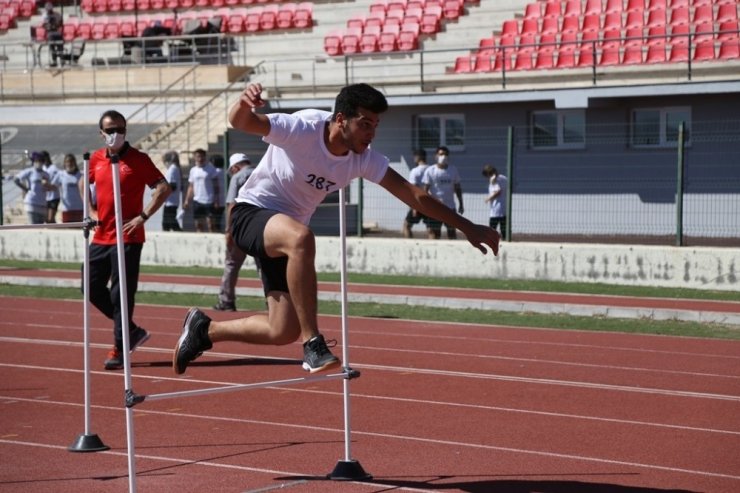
point(133, 399)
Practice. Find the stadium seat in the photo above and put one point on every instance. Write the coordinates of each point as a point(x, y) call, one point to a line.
point(113, 6)
point(704, 50)
point(84, 30)
point(375, 19)
point(333, 44)
point(613, 6)
point(27, 9)
point(656, 51)
point(112, 29)
point(680, 33)
point(703, 32)
point(156, 4)
point(527, 41)
point(252, 19)
point(729, 49)
point(413, 14)
point(394, 16)
point(657, 4)
point(633, 50)
point(408, 38)
point(463, 64)
point(285, 15)
point(727, 12)
point(675, 4)
point(39, 34)
point(369, 40)
point(351, 41)
point(592, 7)
point(550, 25)
point(572, 8)
point(395, 5)
point(268, 19)
point(509, 28)
point(6, 22)
point(524, 59)
point(452, 9)
point(566, 57)
point(656, 17)
point(553, 8)
point(586, 49)
point(545, 58)
point(379, 6)
point(612, 21)
point(532, 11)
point(172, 4)
point(388, 40)
point(127, 28)
point(529, 26)
point(430, 21)
point(69, 29)
point(679, 51)
point(187, 4)
point(303, 16)
point(635, 6)
point(703, 14)
point(591, 22)
point(99, 6)
point(570, 24)
point(656, 33)
point(634, 19)
point(680, 16)
point(728, 29)
point(235, 24)
point(610, 48)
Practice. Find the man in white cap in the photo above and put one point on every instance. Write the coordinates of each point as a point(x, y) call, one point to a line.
point(240, 167)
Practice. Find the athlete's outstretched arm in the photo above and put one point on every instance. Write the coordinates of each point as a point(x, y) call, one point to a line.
point(242, 115)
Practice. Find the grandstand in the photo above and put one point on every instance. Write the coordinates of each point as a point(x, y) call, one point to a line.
point(582, 97)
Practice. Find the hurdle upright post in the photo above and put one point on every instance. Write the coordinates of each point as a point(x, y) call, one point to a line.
point(347, 469)
point(87, 441)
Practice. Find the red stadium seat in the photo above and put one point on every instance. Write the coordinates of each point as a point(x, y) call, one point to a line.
point(591, 22)
point(268, 19)
point(452, 9)
point(570, 24)
point(285, 15)
point(656, 18)
point(657, 4)
point(509, 28)
point(112, 30)
point(351, 41)
point(550, 25)
point(586, 50)
point(172, 4)
point(727, 12)
point(729, 49)
point(187, 4)
point(303, 16)
point(703, 32)
point(704, 51)
point(592, 7)
point(430, 21)
point(333, 44)
point(84, 30)
point(613, 6)
point(635, 6)
point(524, 59)
point(388, 40)
point(545, 58)
point(114, 6)
point(369, 40)
point(566, 57)
point(69, 29)
point(612, 21)
point(634, 19)
point(39, 33)
point(375, 19)
point(679, 51)
point(463, 64)
point(656, 52)
point(728, 29)
point(532, 11)
point(703, 14)
point(357, 20)
point(235, 24)
point(530, 26)
point(27, 9)
point(100, 6)
point(408, 38)
point(572, 8)
point(252, 19)
point(553, 9)
point(379, 6)
point(680, 16)
point(413, 14)
point(633, 50)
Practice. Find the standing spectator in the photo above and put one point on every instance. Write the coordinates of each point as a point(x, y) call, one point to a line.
point(137, 171)
point(52, 22)
point(202, 191)
point(415, 176)
point(218, 202)
point(496, 199)
point(52, 194)
point(311, 153)
point(240, 168)
point(67, 184)
point(442, 181)
point(172, 204)
point(34, 182)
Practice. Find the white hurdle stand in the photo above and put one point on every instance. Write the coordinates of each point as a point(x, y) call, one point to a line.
point(347, 469)
point(86, 441)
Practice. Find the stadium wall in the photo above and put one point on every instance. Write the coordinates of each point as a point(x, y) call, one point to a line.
point(675, 267)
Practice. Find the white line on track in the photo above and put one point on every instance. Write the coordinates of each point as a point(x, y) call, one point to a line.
point(541, 453)
point(192, 381)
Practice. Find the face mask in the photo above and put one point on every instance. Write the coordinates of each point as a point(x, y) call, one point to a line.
point(114, 140)
point(38, 165)
point(442, 160)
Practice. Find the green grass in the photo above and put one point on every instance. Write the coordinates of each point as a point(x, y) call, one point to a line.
point(385, 311)
point(452, 282)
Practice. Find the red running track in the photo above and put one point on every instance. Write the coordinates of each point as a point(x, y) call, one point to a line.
point(439, 407)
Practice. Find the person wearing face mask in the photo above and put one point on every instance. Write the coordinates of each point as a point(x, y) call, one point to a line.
point(34, 182)
point(67, 184)
point(442, 181)
point(496, 198)
point(137, 172)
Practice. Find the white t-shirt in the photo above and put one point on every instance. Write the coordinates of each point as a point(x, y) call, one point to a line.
point(417, 173)
point(52, 170)
point(298, 171)
point(498, 205)
point(68, 189)
point(174, 175)
point(33, 180)
point(442, 183)
point(203, 179)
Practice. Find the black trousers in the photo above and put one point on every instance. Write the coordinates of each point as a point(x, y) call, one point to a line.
point(107, 298)
point(169, 218)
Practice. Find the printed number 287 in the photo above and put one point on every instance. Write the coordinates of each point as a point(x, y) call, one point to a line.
point(320, 182)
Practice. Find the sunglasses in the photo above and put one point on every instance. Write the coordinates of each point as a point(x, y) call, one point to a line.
point(114, 130)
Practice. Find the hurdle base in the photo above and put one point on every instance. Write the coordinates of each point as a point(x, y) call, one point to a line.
point(349, 470)
point(88, 443)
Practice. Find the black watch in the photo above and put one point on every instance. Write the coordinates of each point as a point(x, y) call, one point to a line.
point(144, 216)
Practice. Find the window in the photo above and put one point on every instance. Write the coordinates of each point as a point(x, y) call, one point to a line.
point(658, 127)
point(558, 129)
point(433, 131)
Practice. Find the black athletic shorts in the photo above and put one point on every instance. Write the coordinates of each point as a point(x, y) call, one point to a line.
point(201, 210)
point(248, 229)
